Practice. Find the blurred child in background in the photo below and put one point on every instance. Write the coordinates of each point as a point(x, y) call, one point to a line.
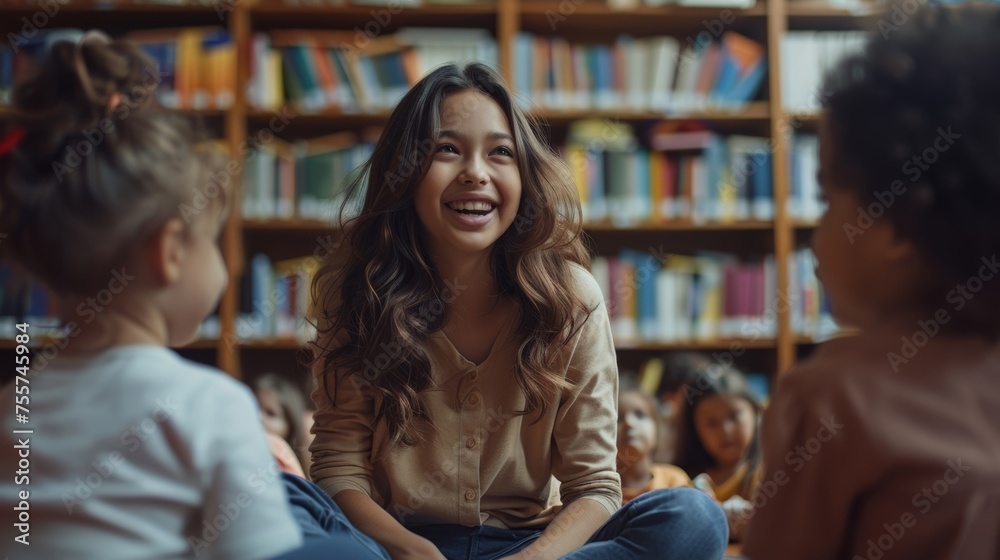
point(670, 374)
point(638, 427)
point(283, 413)
point(718, 444)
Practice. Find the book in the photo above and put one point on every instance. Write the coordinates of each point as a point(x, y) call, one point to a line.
point(196, 66)
point(806, 58)
point(647, 74)
point(331, 71)
point(682, 298)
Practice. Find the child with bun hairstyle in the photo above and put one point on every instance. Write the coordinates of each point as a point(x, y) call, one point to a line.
point(718, 443)
point(887, 444)
point(133, 452)
point(465, 359)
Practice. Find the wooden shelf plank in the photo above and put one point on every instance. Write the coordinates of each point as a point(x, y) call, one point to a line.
point(307, 8)
point(822, 8)
point(680, 226)
point(753, 111)
point(274, 344)
point(806, 117)
point(286, 225)
point(120, 6)
point(597, 9)
point(599, 227)
point(717, 344)
point(40, 341)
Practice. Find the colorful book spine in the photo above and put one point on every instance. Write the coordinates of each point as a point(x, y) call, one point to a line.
point(639, 74)
point(680, 299)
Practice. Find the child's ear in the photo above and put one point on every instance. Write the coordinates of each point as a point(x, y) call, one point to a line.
point(167, 252)
point(901, 249)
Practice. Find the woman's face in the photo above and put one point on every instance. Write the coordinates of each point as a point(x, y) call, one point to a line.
point(471, 191)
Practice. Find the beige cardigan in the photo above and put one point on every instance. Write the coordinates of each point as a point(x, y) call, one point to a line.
point(484, 465)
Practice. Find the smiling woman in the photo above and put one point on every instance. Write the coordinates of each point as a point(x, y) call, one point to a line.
point(477, 408)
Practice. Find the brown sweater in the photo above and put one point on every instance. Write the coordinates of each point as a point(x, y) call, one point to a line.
point(868, 457)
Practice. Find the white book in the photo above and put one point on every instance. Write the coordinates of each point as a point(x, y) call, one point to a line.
point(582, 79)
point(683, 292)
point(687, 79)
point(249, 204)
point(632, 58)
point(666, 316)
point(268, 195)
point(600, 270)
point(664, 52)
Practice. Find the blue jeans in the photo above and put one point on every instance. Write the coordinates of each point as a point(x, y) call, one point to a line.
point(326, 532)
point(676, 523)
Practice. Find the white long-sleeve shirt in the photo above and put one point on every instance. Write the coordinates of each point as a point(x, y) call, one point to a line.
point(137, 453)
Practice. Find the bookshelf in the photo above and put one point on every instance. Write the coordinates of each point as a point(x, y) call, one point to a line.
point(768, 22)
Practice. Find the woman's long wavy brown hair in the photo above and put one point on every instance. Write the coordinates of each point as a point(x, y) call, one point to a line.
point(378, 296)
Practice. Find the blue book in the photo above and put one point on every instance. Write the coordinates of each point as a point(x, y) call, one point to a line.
point(761, 186)
point(6, 73)
point(604, 78)
point(369, 78)
point(646, 269)
point(348, 90)
point(746, 88)
point(261, 286)
point(760, 385)
point(523, 47)
point(313, 98)
point(641, 204)
point(715, 161)
point(728, 77)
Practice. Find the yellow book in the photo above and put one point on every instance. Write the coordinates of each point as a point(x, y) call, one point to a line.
point(650, 376)
point(576, 157)
point(275, 93)
point(187, 68)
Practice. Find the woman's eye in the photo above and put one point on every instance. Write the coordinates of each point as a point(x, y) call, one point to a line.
point(504, 151)
point(447, 148)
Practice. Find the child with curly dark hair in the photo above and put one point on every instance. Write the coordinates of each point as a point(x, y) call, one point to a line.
point(887, 445)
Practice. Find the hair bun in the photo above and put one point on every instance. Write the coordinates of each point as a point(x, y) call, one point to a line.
point(78, 84)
